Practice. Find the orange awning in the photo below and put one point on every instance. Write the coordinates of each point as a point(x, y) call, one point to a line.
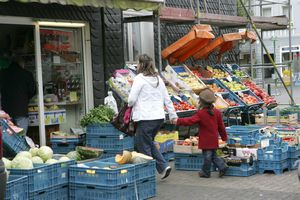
point(249, 35)
point(188, 45)
point(222, 44)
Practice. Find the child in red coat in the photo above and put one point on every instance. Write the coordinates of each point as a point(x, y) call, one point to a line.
point(211, 125)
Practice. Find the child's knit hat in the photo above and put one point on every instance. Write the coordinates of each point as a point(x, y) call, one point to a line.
point(206, 95)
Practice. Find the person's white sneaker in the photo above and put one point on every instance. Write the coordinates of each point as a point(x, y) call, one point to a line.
point(166, 172)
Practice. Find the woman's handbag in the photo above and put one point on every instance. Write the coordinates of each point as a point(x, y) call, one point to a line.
point(123, 121)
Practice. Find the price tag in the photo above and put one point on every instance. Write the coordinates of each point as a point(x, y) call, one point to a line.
point(229, 67)
point(177, 97)
point(240, 94)
point(229, 78)
point(264, 143)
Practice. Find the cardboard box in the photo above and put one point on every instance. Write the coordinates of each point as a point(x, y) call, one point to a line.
point(246, 152)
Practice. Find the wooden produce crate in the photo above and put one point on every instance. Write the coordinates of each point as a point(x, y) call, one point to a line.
point(288, 119)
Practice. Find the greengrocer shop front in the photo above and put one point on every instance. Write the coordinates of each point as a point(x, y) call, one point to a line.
point(63, 44)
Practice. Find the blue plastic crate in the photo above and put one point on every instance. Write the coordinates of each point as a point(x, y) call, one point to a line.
point(63, 146)
point(101, 173)
point(111, 143)
point(40, 177)
point(255, 106)
point(245, 169)
point(61, 171)
point(93, 192)
point(235, 99)
point(294, 151)
point(236, 131)
point(166, 146)
point(168, 156)
point(248, 141)
point(179, 69)
point(13, 143)
point(102, 129)
point(110, 154)
point(276, 166)
point(17, 188)
point(273, 153)
point(188, 161)
point(59, 192)
point(142, 170)
point(146, 188)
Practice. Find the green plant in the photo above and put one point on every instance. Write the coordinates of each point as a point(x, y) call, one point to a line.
point(99, 115)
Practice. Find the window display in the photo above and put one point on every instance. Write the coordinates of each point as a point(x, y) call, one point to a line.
point(62, 68)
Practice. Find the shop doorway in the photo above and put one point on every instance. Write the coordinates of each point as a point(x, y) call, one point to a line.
point(59, 58)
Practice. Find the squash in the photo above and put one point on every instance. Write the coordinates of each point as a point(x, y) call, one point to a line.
point(139, 158)
point(124, 158)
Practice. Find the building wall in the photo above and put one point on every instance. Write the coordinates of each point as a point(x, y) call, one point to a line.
point(279, 37)
point(105, 28)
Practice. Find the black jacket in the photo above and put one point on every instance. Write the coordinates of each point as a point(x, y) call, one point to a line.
point(17, 87)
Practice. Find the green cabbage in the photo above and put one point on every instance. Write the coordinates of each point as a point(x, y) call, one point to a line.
point(51, 161)
point(25, 154)
point(45, 153)
point(64, 159)
point(7, 163)
point(37, 160)
point(34, 151)
point(21, 163)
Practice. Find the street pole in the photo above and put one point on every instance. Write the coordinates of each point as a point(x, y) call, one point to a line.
point(251, 51)
point(290, 51)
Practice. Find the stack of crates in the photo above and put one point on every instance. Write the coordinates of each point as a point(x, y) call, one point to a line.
point(108, 138)
point(47, 181)
point(107, 180)
point(273, 158)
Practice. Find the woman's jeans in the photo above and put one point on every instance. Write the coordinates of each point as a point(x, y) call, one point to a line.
point(144, 141)
point(3, 177)
point(210, 156)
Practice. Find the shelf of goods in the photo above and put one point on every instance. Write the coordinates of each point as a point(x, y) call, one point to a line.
point(235, 71)
point(121, 83)
point(52, 117)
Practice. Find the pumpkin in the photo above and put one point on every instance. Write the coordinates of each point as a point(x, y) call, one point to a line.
point(124, 158)
point(139, 158)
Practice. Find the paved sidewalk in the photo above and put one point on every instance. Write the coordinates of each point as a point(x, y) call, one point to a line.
point(186, 185)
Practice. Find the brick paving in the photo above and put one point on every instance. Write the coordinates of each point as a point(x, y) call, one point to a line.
point(186, 185)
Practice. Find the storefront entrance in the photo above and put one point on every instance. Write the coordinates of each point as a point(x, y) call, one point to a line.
point(57, 56)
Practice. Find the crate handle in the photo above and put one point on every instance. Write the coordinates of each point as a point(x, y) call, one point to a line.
point(124, 187)
point(42, 192)
point(63, 144)
point(90, 171)
point(90, 187)
point(145, 181)
point(102, 136)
